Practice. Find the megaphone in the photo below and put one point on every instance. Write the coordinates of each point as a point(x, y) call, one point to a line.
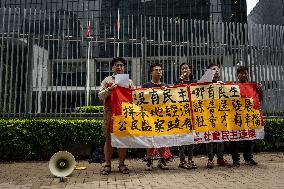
point(62, 164)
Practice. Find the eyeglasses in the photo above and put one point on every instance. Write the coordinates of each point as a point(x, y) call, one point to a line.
point(119, 65)
point(158, 70)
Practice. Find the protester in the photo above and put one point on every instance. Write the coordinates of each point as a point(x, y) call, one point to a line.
point(243, 77)
point(220, 145)
point(156, 75)
point(186, 77)
point(107, 85)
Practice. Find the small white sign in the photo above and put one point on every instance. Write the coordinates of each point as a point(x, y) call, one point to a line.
point(122, 80)
point(207, 77)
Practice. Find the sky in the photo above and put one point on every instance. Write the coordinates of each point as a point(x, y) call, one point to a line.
point(250, 5)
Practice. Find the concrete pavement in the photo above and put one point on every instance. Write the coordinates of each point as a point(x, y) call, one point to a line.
point(268, 174)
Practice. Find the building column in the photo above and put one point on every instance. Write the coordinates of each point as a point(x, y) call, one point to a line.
point(216, 10)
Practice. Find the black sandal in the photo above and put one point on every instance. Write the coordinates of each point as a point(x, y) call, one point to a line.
point(106, 169)
point(123, 169)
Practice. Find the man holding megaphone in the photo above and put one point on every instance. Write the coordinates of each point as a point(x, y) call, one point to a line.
point(107, 85)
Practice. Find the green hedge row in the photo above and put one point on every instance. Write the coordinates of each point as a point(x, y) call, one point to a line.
point(39, 139)
point(89, 109)
point(274, 135)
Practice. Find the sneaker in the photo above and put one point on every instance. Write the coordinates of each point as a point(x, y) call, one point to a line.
point(149, 165)
point(236, 163)
point(223, 163)
point(251, 162)
point(210, 164)
point(185, 165)
point(162, 164)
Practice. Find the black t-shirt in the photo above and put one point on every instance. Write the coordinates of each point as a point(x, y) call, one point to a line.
point(150, 85)
point(185, 82)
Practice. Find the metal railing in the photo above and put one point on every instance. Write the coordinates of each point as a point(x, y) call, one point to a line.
point(51, 63)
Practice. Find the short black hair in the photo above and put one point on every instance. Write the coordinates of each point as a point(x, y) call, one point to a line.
point(213, 64)
point(154, 65)
point(241, 69)
point(117, 59)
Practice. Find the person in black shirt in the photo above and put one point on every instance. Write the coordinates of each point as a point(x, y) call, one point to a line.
point(156, 75)
point(186, 77)
point(243, 77)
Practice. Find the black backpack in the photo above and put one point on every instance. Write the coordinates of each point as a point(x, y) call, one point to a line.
point(97, 155)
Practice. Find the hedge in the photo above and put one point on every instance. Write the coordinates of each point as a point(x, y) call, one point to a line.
point(39, 139)
point(274, 135)
point(27, 139)
point(89, 109)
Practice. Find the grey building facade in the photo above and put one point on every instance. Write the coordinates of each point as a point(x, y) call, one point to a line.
point(104, 13)
point(267, 12)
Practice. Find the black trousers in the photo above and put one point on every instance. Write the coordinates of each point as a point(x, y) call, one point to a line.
point(182, 152)
point(219, 150)
point(247, 151)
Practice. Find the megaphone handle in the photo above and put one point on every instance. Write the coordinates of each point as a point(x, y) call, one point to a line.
point(61, 179)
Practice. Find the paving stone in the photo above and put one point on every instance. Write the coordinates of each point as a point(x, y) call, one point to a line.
point(268, 174)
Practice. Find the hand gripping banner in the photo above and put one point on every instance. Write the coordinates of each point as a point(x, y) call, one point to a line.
point(185, 114)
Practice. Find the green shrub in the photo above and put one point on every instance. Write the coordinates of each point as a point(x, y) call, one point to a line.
point(89, 109)
point(38, 139)
point(274, 135)
point(274, 128)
